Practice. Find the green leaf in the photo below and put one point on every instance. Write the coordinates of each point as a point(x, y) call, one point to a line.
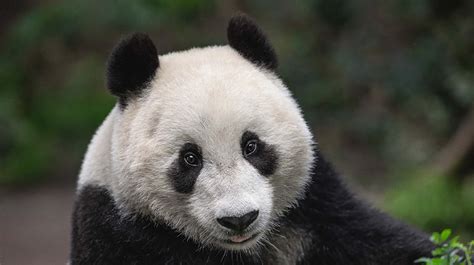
point(438, 251)
point(435, 237)
point(448, 252)
point(445, 234)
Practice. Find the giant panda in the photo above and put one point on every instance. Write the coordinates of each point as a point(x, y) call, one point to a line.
point(206, 159)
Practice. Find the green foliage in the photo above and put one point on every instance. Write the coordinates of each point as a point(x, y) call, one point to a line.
point(52, 96)
point(449, 251)
point(432, 201)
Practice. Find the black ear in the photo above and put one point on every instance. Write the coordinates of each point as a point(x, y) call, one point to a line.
point(249, 40)
point(131, 65)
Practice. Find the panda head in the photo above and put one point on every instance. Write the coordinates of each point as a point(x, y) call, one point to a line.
point(208, 140)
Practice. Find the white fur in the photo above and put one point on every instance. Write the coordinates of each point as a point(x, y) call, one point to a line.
point(207, 96)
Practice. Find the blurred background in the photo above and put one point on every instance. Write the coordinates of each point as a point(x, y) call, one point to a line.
point(387, 86)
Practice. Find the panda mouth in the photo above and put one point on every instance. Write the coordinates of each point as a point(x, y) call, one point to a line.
point(239, 239)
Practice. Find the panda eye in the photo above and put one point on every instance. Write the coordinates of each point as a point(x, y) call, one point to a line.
point(250, 148)
point(191, 159)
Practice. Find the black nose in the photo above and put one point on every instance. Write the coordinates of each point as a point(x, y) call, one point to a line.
point(238, 223)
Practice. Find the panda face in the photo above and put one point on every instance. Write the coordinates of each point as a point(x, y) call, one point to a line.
point(208, 141)
point(216, 148)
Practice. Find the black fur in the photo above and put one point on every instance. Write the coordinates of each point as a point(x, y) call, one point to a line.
point(340, 230)
point(182, 175)
point(265, 158)
point(131, 65)
point(349, 231)
point(249, 40)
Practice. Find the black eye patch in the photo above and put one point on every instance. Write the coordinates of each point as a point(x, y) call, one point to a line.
point(182, 173)
point(264, 158)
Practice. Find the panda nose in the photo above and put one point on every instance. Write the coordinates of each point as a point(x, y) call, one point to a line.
point(238, 223)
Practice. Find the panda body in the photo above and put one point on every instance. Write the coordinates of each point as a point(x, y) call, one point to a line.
point(206, 159)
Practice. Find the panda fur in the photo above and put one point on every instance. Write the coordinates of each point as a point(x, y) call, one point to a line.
point(200, 139)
